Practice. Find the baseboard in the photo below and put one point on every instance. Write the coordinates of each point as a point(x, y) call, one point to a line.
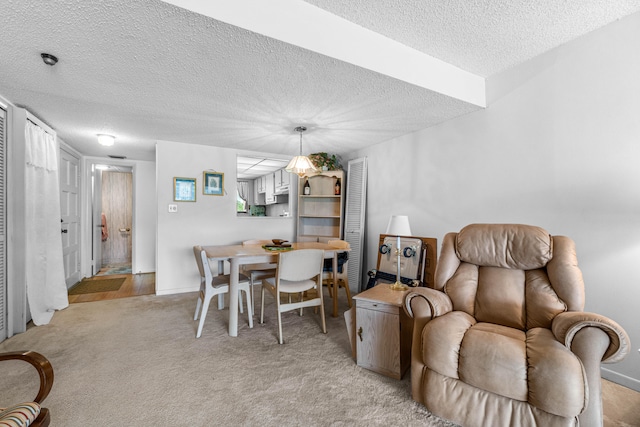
point(176, 291)
point(623, 380)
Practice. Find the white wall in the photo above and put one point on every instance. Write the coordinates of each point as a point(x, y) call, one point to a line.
point(558, 147)
point(211, 220)
point(144, 195)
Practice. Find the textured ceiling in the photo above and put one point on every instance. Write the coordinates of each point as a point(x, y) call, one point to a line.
point(147, 71)
point(481, 36)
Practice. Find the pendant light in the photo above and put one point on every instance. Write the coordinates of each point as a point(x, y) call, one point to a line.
point(301, 165)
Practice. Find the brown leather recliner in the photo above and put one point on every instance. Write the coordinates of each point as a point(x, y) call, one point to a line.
point(503, 340)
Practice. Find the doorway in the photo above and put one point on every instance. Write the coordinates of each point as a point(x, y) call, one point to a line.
point(113, 219)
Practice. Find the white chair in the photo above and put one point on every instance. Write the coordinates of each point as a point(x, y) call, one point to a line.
point(298, 271)
point(258, 272)
point(341, 275)
point(211, 286)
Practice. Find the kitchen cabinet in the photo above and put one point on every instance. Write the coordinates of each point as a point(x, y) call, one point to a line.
point(282, 180)
point(320, 213)
point(270, 189)
point(260, 184)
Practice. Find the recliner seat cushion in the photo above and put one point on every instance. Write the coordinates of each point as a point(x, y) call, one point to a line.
point(524, 365)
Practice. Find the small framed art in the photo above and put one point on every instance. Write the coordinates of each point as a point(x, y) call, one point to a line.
point(213, 184)
point(184, 189)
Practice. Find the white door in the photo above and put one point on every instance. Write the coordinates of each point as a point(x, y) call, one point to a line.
point(70, 215)
point(96, 215)
point(356, 197)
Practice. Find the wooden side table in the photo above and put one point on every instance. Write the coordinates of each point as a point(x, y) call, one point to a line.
point(383, 331)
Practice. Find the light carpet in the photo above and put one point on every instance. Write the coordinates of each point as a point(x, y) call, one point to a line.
point(136, 361)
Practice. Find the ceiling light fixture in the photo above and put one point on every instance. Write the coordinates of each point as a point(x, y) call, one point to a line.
point(301, 165)
point(106, 140)
point(49, 59)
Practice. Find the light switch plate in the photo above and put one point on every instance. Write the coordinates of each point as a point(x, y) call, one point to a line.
point(173, 208)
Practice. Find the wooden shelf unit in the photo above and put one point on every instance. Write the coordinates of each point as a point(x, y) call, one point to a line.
point(321, 213)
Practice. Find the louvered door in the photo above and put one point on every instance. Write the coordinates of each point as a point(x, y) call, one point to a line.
point(354, 219)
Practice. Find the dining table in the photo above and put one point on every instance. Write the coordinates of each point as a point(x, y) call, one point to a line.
point(240, 254)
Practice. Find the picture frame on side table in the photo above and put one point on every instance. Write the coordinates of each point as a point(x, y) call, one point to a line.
point(184, 189)
point(213, 183)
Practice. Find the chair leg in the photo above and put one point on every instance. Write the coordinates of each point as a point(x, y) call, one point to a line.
point(262, 304)
point(330, 287)
point(346, 288)
point(240, 301)
point(280, 340)
point(253, 299)
point(300, 298)
point(220, 301)
point(324, 323)
point(203, 313)
point(249, 308)
point(198, 305)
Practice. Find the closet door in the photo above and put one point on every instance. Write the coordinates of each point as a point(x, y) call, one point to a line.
point(70, 214)
point(354, 220)
point(3, 228)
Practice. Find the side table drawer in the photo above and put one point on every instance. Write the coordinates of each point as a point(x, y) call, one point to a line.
point(377, 306)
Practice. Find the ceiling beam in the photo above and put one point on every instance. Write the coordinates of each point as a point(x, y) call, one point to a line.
point(302, 24)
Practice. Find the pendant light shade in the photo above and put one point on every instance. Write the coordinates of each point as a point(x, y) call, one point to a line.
point(301, 165)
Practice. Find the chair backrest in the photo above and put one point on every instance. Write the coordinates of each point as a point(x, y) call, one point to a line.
point(510, 274)
point(301, 264)
point(203, 264)
point(342, 244)
point(343, 257)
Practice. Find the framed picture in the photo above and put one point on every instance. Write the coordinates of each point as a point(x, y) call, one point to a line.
point(184, 189)
point(213, 183)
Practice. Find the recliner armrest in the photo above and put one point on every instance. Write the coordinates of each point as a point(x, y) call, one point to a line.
point(566, 325)
point(438, 303)
point(42, 365)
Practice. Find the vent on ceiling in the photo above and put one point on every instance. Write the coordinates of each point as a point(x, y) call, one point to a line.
point(117, 157)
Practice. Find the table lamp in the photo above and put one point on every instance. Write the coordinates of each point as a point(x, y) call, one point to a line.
point(399, 226)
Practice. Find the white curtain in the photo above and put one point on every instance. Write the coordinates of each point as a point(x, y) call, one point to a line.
point(243, 190)
point(46, 288)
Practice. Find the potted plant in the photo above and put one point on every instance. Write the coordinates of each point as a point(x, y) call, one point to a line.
point(325, 161)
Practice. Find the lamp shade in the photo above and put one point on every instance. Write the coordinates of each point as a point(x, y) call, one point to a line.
point(399, 226)
point(300, 165)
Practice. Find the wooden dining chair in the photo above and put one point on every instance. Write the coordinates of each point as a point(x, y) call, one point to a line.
point(298, 271)
point(258, 272)
point(30, 413)
point(211, 286)
point(341, 275)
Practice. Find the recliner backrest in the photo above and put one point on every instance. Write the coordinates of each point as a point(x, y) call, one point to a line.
point(508, 274)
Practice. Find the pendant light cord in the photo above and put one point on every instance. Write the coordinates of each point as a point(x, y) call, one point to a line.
point(301, 143)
